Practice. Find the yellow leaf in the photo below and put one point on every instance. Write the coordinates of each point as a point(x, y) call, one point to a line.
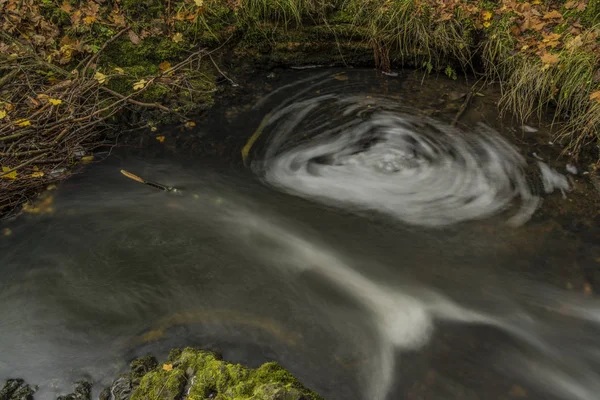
point(139, 84)
point(100, 77)
point(55, 102)
point(178, 37)
point(168, 367)
point(89, 19)
point(199, 2)
point(37, 174)
point(66, 6)
point(23, 122)
point(2, 114)
point(160, 139)
point(549, 59)
point(536, 2)
point(486, 15)
point(552, 15)
point(487, 24)
point(163, 66)
point(190, 124)
point(119, 70)
point(10, 175)
point(87, 159)
point(596, 96)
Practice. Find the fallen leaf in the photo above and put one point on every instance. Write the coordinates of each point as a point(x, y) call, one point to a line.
point(163, 66)
point(139, 84)
point(595, 96)
point(575, 42)
point(552, 15)
point(486, 15)
point(55, 102)
point(178, 37)
point(536, 2)
point(190, 124)
point(100, 77)
point(11, 175)
point(90, 19)
point(87, 159)
point(487, 24)
point(66, 6)
point(549, 58)
point(2, 114)
point(119, 70)
point(341, 77)
point(199, 3)
point(167, 367)
point(37, 174)
point(161, 139)
point(23, 122)
point(135, 39)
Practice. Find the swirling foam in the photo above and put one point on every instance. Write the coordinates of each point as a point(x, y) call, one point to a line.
point(368, 153)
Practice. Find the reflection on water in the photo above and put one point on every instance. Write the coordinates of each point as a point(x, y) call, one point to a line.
point(358, 306)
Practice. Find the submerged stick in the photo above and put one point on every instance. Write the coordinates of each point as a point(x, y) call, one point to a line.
point(462, 108)
point(155, 185)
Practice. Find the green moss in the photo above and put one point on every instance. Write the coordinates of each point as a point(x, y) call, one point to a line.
point(207, 376)
point(161, 385)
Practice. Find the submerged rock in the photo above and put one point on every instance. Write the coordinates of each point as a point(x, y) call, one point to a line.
point(83, 391)
point(17, 389)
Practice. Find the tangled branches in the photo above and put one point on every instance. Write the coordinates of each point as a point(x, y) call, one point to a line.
point(52, 119)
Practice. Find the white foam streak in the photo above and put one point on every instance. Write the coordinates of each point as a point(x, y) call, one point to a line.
point(370, 155)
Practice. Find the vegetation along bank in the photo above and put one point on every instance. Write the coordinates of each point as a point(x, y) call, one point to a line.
point(73, 71)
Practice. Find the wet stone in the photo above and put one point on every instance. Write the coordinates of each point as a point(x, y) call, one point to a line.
point(83, 391)
point(17, 389)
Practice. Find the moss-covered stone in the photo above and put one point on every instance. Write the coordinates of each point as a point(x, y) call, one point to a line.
point(197, 375)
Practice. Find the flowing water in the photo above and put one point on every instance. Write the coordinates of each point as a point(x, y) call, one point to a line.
point(336, 223)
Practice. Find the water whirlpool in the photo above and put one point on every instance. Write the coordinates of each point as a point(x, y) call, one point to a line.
point(372, 153)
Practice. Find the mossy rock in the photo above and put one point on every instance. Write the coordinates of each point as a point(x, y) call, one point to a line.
point(197, 375)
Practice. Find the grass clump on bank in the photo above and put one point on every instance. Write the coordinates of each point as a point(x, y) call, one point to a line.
point(70, 68)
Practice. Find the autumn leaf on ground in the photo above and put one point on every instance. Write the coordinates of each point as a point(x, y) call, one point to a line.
point(90, 19)
point(23, 123)
point(2, 114)
point(199, 3)
point(87, 159)
point(552, 39)
point(575, 42)
point(135, 39)
point(190, 124)
point(100, 77)
point(139, 84)
point(55, 102)
point(487, 24)
point(66, 6)
point(486, 15)
point(11, 175)
point(161, 139)
point(549, 58)
point(595, 96)
point(37, 174)
point(167, 367)
point(163, 66)
point(119, 70)
point(552, 15)
point(178, 37)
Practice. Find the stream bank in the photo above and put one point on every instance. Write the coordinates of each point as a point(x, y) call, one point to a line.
point(97, 70)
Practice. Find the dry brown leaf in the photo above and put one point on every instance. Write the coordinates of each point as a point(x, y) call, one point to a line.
point(135, 39)
point(66, 7)
point(595, 96)
point(163, 66)
point(549, 58)
point(552, 15)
